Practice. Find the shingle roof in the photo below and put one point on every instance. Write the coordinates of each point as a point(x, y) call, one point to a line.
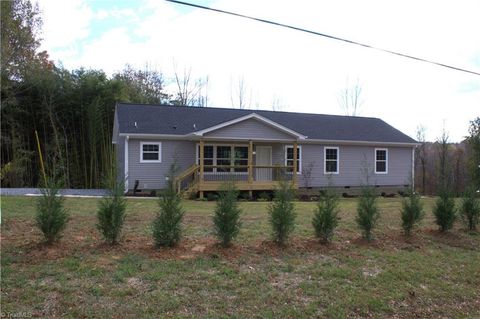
point(180, 120)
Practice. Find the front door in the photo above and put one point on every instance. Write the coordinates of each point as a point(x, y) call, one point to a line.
point(263, 158)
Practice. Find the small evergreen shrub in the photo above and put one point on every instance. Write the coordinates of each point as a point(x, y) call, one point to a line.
point(111, 214)
point(325, 219)
point(167, 225)
point(412, 212)
point(51, 216)
point(226, 220)
point(282, 212)
point(367, 212)
point(444, 211)
point(470, 210)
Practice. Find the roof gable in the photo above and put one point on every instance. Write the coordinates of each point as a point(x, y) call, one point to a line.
point(250, 126)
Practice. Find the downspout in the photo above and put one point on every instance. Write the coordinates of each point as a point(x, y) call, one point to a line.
point(413, 168)
point(126, 164)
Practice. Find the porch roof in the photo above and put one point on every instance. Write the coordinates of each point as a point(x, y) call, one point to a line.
point(190, 121)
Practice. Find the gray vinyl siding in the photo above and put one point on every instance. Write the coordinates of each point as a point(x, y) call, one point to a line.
point(250, 129)
point(152, 175)
point(120, 157)
point(352, 163)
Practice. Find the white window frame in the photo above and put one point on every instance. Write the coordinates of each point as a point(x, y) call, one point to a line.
point(386, 160)
point(325, 148)
point(232, 146)
point(299, 162)
point(159, 152)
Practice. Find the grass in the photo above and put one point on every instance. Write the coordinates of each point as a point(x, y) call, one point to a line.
point(432, 275)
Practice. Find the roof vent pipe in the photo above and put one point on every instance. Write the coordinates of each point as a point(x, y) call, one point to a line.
point(135, 124)
point(194, 126)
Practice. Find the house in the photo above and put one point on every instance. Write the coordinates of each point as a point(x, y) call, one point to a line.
point(257, 148)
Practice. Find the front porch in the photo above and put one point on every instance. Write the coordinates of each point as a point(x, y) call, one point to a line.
point(249, 166)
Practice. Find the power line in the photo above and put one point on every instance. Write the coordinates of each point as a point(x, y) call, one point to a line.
point(325, 35)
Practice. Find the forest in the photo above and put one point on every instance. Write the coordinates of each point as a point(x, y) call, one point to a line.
point(72, 112)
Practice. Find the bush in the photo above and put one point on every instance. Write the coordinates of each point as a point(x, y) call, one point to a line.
point(412, 212)
point(111, 214)
point(282, 212)
point(444, 211)
point(226, 221)
point(325, 219)
point(470, 210)
point(167, 225)
point(368, 212)
point(51, 216)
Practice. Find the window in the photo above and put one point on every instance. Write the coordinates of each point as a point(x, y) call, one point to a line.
point(150, 152)
point(381, 161)
point(289, 158)
point(240, 157)
point(331, 160)
point(224, 155)
point(207, 157)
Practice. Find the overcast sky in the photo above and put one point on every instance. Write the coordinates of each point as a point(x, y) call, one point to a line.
point(300, 72)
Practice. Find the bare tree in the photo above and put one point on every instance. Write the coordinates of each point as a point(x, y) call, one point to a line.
point(421, 154)
point(190, 92)
point(238, 94)
point(350, 99)
point(277, 103)
point(443, 172)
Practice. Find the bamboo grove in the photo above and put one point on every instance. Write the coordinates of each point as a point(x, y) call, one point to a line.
point(72, 111)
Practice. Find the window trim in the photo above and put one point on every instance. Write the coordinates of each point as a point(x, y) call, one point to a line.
point(159, 144)
point(325, 160)
point(214, 159)
point(299, 161)
point(386, 159)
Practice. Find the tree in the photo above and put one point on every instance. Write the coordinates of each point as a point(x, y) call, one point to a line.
point(367, 212)
point(473, 141)
point(238, 94)
point(470, 209)
point(112, 212)
point(226, 220)
point(51, 217)
point(350, 99)
point(412, 212)
point(325, 218)
point(444, 211)
point(282, 213)
point(421, 154)
point(444, 176)
point(190, 92)
point(167, 225)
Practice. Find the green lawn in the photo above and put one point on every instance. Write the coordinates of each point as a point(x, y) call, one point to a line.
point(433, 275)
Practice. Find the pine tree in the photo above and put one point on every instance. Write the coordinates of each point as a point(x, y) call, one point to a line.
point(282, 213)
point(470, 209)
point(325, 219)
point(444, 211)
point(51, 216)
point(111, 214)
point(412, 212)
point(226, 220)
point(368, 212)
point(167, 226)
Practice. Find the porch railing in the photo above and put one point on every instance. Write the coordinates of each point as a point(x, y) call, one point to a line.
point(187, 178)
point(233, 173)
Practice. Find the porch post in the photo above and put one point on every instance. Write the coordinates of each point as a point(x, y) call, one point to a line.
point(295, 164)
point(200, 184)
point(250, 167)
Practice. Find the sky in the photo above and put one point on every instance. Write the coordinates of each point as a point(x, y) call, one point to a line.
point(294, 71)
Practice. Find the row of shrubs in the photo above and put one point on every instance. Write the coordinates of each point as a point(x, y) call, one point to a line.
point(52, 217)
